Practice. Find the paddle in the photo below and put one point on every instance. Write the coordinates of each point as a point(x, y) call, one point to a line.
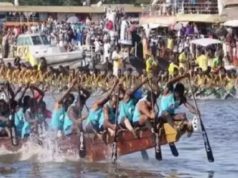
point(114, 144)
point(13, 132)
point(82, 146)
point(173, 149)
point(158, 153)
point(204, 133)
point(144, 155)
point(12, 127)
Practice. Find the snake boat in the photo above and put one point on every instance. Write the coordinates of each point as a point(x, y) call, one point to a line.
point(96, 149)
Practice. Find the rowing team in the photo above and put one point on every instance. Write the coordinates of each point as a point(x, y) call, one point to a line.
point(226, 81)
point(119, 107)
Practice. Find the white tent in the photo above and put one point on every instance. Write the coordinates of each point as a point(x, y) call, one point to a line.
point(205, 42)
point(73, 19)
point(231, 23)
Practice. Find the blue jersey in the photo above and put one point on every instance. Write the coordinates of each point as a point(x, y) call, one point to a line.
point(19, 119)
point(126, 110)
point(68, 125)
point(94, 117)
point(112, 116)
point(26, 129)
point(168, 104)
point(57, 120)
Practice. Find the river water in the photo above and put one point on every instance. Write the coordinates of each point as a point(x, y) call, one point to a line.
point(221, 121)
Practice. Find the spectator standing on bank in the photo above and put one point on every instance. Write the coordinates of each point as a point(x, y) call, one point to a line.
point(5, 45)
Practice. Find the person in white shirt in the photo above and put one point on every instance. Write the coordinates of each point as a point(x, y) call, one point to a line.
point(97, 45)
point(106, 52)
point(116, 54)
point(117, 61)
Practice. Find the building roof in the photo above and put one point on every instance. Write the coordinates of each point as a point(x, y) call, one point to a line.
point(204, 18)
point(170, 20)
point(229, 2)
point(67, 9)
point(5, 4)
point(230, 13)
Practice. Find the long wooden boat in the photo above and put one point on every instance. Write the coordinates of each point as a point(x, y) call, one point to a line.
point(97, 149)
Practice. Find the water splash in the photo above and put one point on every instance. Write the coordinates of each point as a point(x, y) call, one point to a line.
point(40, 149)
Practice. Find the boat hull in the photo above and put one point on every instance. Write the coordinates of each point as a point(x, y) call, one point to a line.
point(98, 150)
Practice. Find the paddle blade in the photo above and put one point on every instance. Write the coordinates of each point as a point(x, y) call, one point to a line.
point(207, 144)
point(82, 153)
point(210, 156)
point(173, 149)
point(14, 138)
point(158, 153)
point(114, 152)
point(144, 155)
point(82, 147)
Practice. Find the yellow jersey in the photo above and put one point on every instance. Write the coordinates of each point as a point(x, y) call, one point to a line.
point(202, 62)
point(171, 68)
point(182, 60)
point(150, 65)
point(170, 44)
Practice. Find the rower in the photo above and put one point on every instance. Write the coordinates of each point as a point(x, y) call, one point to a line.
point(171, 99)
point(60, 110)
point(41, 115)
point(74, 117)
point(93, 123)
point(8, 108)
point(127, 107)
point(30, 120)
point(108, 118)
point(144, 112)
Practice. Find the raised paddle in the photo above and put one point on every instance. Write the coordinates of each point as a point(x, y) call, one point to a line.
point(204, 133)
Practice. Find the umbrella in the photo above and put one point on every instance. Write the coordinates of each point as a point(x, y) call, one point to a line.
point(73, 19)
point(205, 42)
point(179, 25)
point(231, 23)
